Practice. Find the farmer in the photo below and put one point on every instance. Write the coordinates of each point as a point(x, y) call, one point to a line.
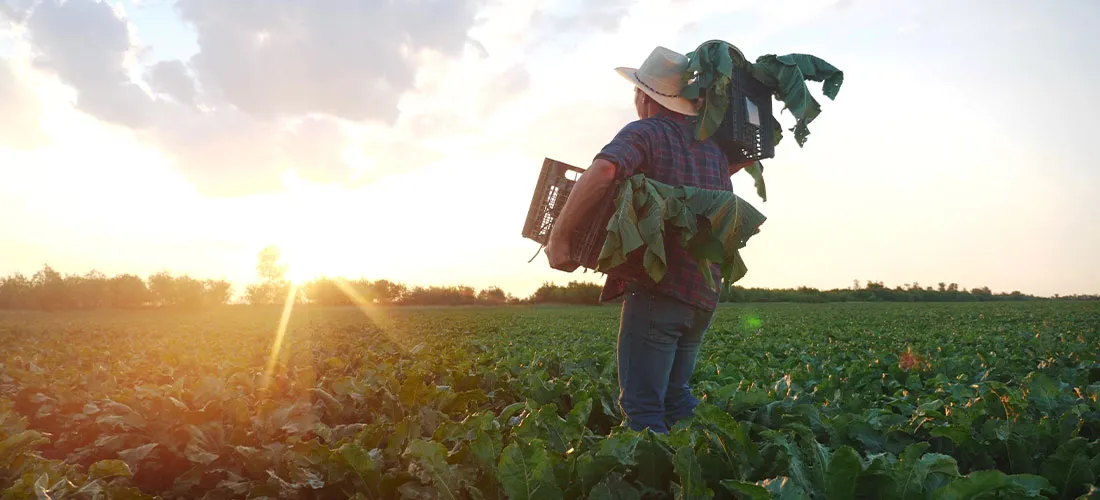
point(662, 324)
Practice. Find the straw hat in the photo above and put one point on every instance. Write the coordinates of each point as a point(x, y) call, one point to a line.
point(660, 78)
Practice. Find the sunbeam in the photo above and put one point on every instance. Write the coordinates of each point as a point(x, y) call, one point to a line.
point(280, 332)
point(369, 310)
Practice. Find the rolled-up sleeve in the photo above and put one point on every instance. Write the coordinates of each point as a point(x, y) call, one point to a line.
point(629, 150)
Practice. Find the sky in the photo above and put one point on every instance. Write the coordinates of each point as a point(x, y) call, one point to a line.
point(402, 140)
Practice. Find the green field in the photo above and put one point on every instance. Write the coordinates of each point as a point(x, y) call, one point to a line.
point(914, 401)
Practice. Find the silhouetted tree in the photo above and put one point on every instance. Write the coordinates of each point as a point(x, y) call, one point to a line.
point(273, 287)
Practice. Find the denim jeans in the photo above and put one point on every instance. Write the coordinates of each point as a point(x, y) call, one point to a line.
point(659, 340)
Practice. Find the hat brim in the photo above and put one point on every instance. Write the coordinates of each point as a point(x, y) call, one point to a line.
point(677, 104)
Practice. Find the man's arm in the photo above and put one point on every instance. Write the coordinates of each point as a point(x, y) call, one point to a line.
point(586, 194)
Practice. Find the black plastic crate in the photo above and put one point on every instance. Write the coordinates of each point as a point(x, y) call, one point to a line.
point(746, 132)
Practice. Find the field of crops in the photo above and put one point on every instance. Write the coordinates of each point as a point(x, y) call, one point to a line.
point(909, 401)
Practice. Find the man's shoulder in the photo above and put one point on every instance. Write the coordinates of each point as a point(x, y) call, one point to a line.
point(648, 127)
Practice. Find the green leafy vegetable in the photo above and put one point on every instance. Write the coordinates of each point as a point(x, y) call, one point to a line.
point(852, 400)
point(526, 472)
point(787, 75)
point(709, 73)
point(714, 225)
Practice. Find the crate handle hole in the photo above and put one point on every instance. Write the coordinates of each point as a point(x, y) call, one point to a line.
point(572, 175)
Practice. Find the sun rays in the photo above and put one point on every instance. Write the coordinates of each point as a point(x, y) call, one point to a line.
point(375, 314)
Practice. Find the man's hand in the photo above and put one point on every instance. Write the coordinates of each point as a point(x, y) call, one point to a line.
point(558, 251)
point(590, 188)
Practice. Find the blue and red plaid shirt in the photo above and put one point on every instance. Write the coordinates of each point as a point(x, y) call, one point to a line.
point(664, 148)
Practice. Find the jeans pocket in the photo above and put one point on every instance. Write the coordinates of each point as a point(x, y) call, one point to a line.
point(669, 321)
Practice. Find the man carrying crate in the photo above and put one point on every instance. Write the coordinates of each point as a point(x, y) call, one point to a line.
point(662, 324)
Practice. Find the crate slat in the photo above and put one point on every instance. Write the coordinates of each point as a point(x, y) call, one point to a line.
point(551, 193)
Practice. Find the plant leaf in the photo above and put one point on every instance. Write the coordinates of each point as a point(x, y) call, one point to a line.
point(526, 473)
point(109, 468)
point(692, 486)
point(845, 466)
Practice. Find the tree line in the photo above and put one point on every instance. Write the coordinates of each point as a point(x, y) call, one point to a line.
point(876, 291)
point(48, 289)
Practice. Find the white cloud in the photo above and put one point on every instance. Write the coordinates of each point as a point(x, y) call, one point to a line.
point(20, 109)
point(227, 117)
point(86, 44)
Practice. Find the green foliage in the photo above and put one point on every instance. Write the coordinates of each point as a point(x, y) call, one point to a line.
point(873, 291)
point(756, 170)
point(50, 290)
point(905, 401)
point(708, 75)
point(575, 292)
point(710, 70)
point(713, 224)
point(787, 76)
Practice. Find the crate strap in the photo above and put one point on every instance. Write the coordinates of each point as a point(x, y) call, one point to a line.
point(537, 252)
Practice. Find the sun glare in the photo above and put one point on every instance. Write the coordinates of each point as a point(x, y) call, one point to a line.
point(301, 264)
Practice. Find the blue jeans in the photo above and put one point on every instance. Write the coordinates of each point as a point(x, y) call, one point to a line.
point(659, 340)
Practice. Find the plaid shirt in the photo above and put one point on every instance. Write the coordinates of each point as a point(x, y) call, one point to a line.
point(664, 148)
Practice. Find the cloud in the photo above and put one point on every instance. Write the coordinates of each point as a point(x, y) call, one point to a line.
point(15, 10)
point(172, 79)
point(336, 90)
point(314, 146)
point(350, 59)
point(223, 152)
point(603, 16)
point(19, 111)
point(86, 43)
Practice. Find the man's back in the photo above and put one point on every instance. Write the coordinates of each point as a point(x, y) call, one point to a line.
point(664, 148)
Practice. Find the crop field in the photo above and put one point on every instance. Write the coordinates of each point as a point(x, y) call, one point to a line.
point(837, 401)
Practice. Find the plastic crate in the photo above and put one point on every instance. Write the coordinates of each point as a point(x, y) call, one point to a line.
point(746, 132)
point(551, 193)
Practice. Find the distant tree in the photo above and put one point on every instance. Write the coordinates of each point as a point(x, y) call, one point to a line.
point(128, 291)
point(91, 291)
point(273, 287)
point(15, 292)
point(439, 296)
point(216, 292)
point(180, 291)
point(325, 291)
point(162, 287)
point(492, 295)
point(49, 290)
point(388, 292)
point(574, 293)
point(267, 265)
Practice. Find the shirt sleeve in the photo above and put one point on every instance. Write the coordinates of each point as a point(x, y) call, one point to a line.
point(629, 150)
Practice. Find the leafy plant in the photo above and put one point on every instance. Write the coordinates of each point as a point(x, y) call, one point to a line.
point(713, 224)
point(710, 71)
point(845, 401)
